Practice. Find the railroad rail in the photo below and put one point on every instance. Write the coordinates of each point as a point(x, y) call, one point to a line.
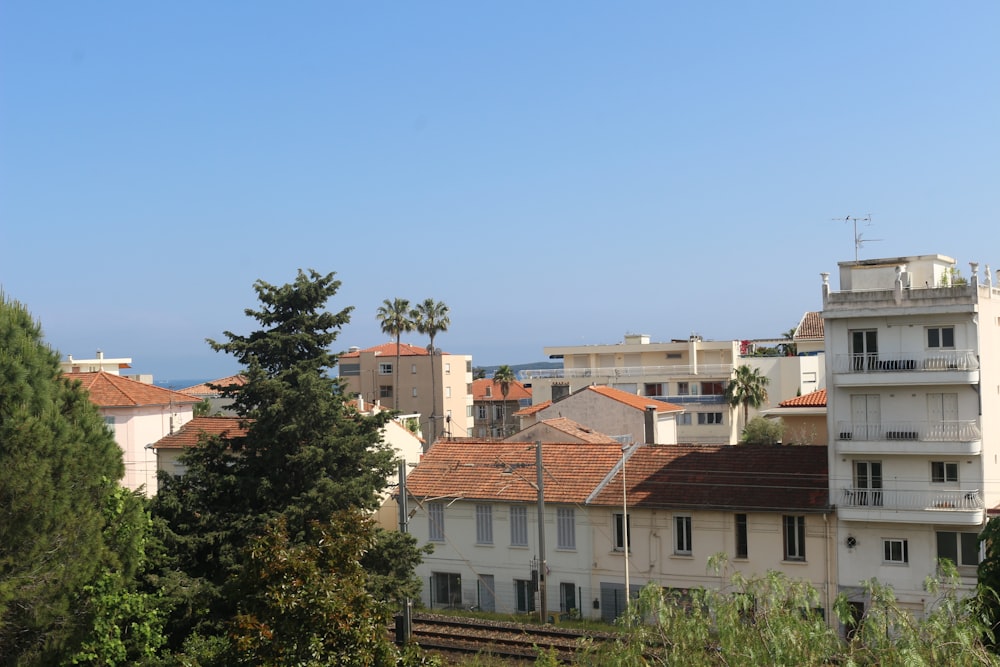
point(501, 639)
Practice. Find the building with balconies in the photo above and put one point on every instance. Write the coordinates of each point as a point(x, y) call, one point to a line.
point(913, 419)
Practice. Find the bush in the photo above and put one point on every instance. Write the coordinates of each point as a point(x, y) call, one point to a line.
point(760, 431)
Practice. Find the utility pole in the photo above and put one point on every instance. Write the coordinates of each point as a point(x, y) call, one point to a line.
point(542, 607)
point(404, 627)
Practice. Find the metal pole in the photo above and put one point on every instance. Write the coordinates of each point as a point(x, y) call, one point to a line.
point(403, 633)
point(541, 533)
point(625, 525)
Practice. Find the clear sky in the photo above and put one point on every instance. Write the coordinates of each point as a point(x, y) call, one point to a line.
point(558, 173)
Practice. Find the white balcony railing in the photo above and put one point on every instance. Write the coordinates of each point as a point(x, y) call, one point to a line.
point(709, 370)
point(905, 499)
point(945, 360)
point(946, 431)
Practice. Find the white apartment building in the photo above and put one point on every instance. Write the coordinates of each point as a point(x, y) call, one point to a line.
point(692, 373)
point(913, 401)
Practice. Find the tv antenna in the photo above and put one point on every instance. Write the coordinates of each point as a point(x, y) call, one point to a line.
point(859, 240)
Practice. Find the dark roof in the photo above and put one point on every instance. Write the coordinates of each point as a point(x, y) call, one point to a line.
point(191, 432)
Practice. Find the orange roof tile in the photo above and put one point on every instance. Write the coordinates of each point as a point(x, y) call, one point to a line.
point(203, 389)
point(389, 350)
point(532, 409)
point(107, 390)
point(810, 326)
point(577, 430)
point(506, 470)
point(191, 433)
point(632, 400)
point(749, 477)
point(517, 391)
point(815, 399)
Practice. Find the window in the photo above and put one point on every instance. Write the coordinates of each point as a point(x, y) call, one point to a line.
point(524, 592)
point(468, 410)
point(567, 596)
point(565, 528)
point(385, 391)
point(109, 423)
point(864, 349)
point(868, 483)
point(621, 530)
point(709, 418)
point(518, 526)
point(414, 392)
point(446, 589)
point(489, 392)
point(481, 411)
point(559, 391)
point(385, 369)
point(683, 389)
point(684, 419)
point(498, 412)
point(960, 548)
point(484, 524)
point(944, 471)
point(350, 369)
point(447, 369)
point(712, 389)
point(413, 369)
point(941, 337)
point(447, 392)
point(742, 546)
point(682, 535)
point(795, 537)
point(895, 552)
point(654, 389)
point(435, 519)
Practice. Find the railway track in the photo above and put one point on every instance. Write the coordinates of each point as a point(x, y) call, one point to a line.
point(510, 641)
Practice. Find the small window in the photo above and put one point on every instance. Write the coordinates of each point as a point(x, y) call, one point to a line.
point(518, 526)
point(795, 537)
point(468, 410)
point(682, 535)
point(944, 471)
point(742, 546)
point(385, 369)
point(684, 419)
point(481, 411)
point(484, 524)
point(447, 369)
point(413, 369)
point(565, 528)
point(709, 418)
point(895, 552)
point(435, 519)
point(414, 392)
point(654, 389)
point(498, 412)
point(489, 392)
point(683, 388)
point(712, 389)
point(447, 392)
point(622, 531)
point(109, 423)
point(941, 337)
point(385, 391)
point(960, 548)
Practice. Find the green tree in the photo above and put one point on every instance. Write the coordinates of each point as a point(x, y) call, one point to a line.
point(305, 456)
point(788, 349)
point(504, 376)
point(59, 467)
point(747, 389)
point(760, 431)
point(395, 318)
point(988, 575)
point(431, 318)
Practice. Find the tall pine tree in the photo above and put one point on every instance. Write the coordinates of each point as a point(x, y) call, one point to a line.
point(59, 468)
point(305, 456)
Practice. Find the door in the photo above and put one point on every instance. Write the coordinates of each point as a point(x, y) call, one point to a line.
point(486, 596)
point(864, 350)
point(567, 596)
point(942, 416)
point(866, 417)
point(868, 483)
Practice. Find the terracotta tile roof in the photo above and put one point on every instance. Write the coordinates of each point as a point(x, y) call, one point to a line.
point(746, 477)
point(505, 471)
point(389, 350)
point(190, 433)
point(107, 390)
point(579, 431)
point(810, 326)
point(517, 391)
point(815, 399)
point(632, 400)
point(532, 409)
point(204, 390)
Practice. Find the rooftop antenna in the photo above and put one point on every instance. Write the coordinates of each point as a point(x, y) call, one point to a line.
point(859, 240)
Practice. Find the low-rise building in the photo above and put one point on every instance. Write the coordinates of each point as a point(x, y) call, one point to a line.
point(492, 413)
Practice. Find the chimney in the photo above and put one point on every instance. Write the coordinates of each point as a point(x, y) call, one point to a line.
point(650, 421)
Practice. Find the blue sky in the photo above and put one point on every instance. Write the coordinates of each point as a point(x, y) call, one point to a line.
point(558, 173)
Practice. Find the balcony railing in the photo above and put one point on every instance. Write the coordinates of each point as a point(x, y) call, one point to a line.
point(904, 499)
point(699, 370)
point(945, 360)
point(946, 431)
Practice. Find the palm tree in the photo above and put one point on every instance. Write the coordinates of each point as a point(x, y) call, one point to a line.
point(395, 318)
point(431, 318)
point(504, 376)
point(747, 389)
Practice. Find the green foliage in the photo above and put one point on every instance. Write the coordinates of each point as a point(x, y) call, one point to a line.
point(504, 376)
point(59, 468)
point(952, 277)
point(747, 389)
point(203, 408)
point(306, 456)
point(988, 575)
point(760, 431)
point(430, 318)
point(395, 318)
point(305, 602)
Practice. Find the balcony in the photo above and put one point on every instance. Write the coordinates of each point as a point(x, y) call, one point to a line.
point(910, 437)
point(942, 367)
point(955, 507)
point(614, 372)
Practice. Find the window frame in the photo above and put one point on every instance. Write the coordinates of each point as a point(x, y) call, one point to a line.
point(435, 521)
point(518, 526)
point(683, 535)
point(484, 524)
point(684, 419)
point(941, 333)
point(709, 418)
point(895, 551)
point(566, 528)
point(385, 391)
point(481, 411)
point(741, 533)
point(940, 472)
point(793, 532)
point(619, 529)
point(385, 368)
